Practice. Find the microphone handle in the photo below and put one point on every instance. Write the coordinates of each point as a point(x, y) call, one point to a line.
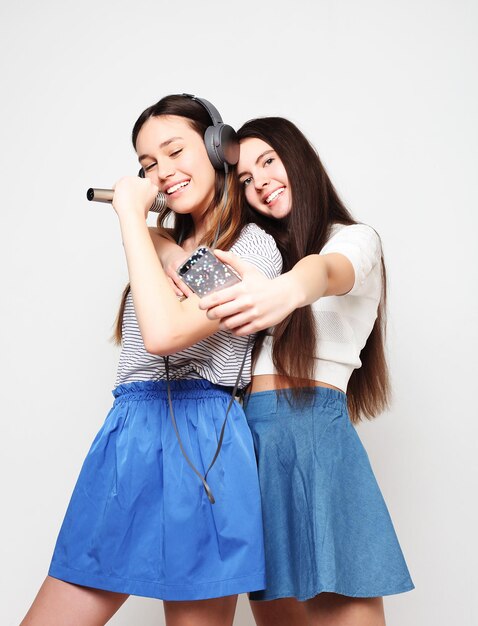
point(106, 195)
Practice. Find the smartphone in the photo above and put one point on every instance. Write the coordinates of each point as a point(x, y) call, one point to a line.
point(204, 273)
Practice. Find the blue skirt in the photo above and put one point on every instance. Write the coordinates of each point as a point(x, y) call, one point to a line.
point(139, 521)
point(326, 525)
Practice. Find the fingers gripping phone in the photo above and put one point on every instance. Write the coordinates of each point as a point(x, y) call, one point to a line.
point(204, 273)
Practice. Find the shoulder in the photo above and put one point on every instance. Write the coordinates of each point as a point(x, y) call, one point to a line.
point(361, 245)
point(253, 239)
point(358, 236)
point(259, 248)
point(252, 233)
point(159, 236)
point(353, 232)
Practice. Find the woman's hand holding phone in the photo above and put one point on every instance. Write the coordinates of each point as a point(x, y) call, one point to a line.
point(254, 304)
point(204, 273)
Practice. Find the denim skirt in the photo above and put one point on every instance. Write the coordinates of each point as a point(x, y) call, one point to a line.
point(326, 525)
point(139, 520)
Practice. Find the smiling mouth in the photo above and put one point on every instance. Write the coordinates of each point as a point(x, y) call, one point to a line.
point(174, 188)
point(274, 195)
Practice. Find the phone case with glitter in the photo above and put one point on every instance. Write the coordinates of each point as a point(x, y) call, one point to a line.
point(204, 273)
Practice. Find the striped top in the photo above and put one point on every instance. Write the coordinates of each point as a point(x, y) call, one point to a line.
point(217, 358)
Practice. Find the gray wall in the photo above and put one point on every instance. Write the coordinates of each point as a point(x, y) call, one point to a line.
point(387, 91)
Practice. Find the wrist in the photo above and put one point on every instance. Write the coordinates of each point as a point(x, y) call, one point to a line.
point(132, 216)
point(289, 285)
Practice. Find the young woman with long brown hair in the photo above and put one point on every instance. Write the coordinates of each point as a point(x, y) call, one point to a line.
point(329, 540)
point(142, 519)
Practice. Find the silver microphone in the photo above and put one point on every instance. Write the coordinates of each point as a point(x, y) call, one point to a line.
point(106, 195)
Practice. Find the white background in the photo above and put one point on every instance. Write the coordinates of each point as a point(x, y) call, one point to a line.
point(387, 91)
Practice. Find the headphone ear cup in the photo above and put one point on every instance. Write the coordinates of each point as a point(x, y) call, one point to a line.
point(228, 144)
point(222, 145)
point(211, 139)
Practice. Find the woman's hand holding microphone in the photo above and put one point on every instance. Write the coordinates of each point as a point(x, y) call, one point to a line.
point(133, 196)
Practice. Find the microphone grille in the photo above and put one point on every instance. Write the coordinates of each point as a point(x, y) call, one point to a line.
point(159, 203)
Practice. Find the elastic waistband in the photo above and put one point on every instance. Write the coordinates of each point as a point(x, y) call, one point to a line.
point(152, 389)
point(263, 402)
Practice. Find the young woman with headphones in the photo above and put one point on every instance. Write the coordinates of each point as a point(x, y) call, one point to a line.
point(167, 503)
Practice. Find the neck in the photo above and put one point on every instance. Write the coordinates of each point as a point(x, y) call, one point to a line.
point(201, 226)
point(202, 220)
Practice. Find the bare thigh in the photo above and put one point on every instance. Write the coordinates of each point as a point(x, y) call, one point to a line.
point(283, 612)
point(214, 612)
point(59, 603)
point(330, 609)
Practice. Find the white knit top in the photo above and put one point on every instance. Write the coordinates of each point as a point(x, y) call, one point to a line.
point(343, 322)
point(216, 358)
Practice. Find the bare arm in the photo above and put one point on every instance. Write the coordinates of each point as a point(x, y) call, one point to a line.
point(171, 256)
point(258, 303)
point(317, 275)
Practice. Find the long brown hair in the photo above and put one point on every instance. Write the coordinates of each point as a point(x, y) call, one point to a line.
point(316, 206)
point(229, 220)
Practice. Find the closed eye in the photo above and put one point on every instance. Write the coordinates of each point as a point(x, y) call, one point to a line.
point(149, 167)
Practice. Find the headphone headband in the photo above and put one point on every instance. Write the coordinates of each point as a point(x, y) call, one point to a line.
point(210, 108)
